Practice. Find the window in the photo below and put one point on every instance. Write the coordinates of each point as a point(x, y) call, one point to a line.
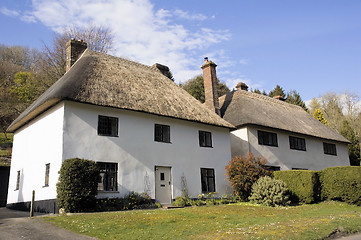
point(162, 133)
point(17, 181)
point(273, 168)
point(47, 170)
point(107, 126)
point(108, 176)
point(329, 148)
point(299, 169)
point(207, 180)
point(267, 138)
point(205, 139)
point(297, 143)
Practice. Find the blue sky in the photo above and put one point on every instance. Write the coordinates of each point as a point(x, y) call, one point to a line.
point(311, 46)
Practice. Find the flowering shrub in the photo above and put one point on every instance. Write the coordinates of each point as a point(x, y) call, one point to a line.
point(242, 172)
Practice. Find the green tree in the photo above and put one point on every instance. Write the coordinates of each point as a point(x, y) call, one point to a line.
point(354, 146)
point(77, 185)
point(256, 91)
point(294, 97)
point(195, 87)
point(24, 86)
point(277, 91)
point(319, 116)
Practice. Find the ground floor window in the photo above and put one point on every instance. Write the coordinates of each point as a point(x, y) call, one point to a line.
point(108, 176)
point(208, 180)
point(329, 148)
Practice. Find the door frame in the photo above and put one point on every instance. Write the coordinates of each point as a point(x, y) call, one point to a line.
point(170, 184)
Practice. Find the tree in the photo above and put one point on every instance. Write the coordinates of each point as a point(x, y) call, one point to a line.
point(195, 87)
point(277, 91)
point(77, 185)
point(319, 116)
point(24, 87)
point(242, 172)
point(256, 91)
point(314, 104)
point(53, 59)
point(332, 109)
point(354, 147)
point(294, 97)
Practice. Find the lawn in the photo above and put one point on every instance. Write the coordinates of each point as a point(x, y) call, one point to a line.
point(236, 221)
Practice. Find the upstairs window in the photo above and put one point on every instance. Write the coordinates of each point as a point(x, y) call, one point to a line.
point(205, 139)
point(47, 171)
point(329, 148)
point(162, 133)
point(108, 176)
point(107, 126)
point(208, 180)
point(297, 143)
point(267, 138)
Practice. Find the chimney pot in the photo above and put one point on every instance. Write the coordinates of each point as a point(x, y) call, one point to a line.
point(74, 48)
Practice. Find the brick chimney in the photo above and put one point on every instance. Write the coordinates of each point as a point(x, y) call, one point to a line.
point(74, 48)
point(242, 86)
point(210, 85)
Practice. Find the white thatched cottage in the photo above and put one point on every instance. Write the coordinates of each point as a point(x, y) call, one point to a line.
point(146, 133)
point(286, 135)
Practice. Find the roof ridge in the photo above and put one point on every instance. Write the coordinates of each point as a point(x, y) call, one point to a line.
point(269, 99)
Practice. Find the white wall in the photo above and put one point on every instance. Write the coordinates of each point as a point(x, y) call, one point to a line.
point(137, 153)
point(35, 145)
point(313, 158)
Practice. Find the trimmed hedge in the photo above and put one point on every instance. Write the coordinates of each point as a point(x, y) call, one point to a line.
point(303, 184)
point(77, 185)
point(341, 183)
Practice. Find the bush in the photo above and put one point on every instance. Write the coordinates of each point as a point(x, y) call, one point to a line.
point(341, 183)
point(180, 202)
point(270, 192)
point(304, 185)
point(131, 201)
point(77, 185)
point(242, 172)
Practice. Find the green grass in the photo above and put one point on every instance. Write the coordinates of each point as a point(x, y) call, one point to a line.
point(237, 221)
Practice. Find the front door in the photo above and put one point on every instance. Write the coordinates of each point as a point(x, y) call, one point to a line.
point(163, 185)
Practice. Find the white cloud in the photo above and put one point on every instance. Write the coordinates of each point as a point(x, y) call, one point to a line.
point(141, 32)
point(186, 15)
point(8, 12)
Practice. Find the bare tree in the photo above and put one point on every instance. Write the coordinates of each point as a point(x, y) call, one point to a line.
point(53, 60)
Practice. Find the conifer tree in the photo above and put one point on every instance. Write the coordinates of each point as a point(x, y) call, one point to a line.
point(294, 97)
point(320, 117)
point(277, 91)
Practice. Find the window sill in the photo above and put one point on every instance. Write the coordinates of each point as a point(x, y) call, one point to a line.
point(45, 186)
point(206, 146)
point(108, 135)
point(163, 142)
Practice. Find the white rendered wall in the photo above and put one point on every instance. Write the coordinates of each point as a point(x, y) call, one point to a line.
point(284, 157)
point(239, 142)
point(137, 153)
point(37, 144)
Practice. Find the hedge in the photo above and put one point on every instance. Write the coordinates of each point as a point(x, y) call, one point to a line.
point(341, 183)
point(303, 184)
point(77, 185)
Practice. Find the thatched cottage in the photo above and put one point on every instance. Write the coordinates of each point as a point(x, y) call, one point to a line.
point(287, 136)
point(146, 133)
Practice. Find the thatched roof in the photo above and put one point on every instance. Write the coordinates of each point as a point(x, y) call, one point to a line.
point(104, 80)
point(243, 108)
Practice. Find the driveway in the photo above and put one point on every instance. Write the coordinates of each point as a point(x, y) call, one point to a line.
point(18, 225)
